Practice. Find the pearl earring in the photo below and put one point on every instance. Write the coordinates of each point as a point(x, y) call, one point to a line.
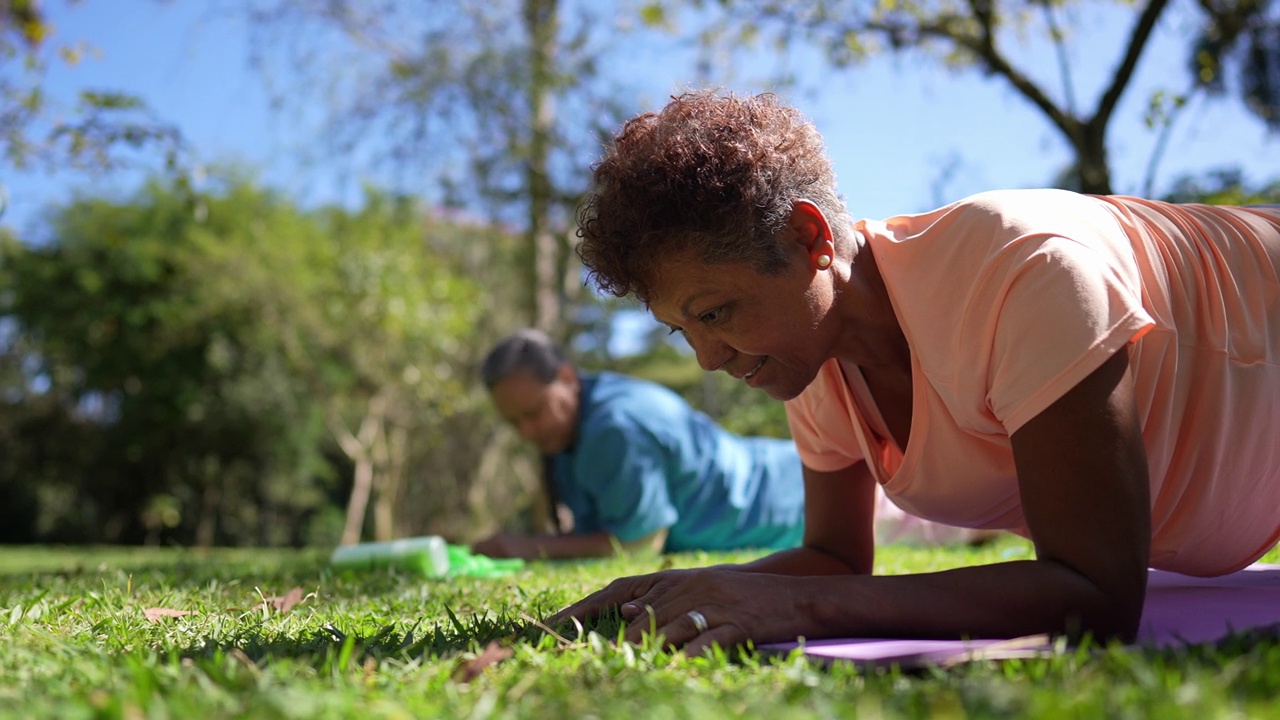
point(824, 261)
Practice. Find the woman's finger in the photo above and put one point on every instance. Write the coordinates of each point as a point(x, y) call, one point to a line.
point(669, 584)
point(692, 630)
point(676, 628)
point(651, 598)
point(725, 636)
point(616, 593)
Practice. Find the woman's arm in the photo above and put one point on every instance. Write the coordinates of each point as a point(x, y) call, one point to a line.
point(1084, 485)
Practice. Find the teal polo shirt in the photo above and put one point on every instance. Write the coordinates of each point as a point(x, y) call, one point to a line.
point(644, 460)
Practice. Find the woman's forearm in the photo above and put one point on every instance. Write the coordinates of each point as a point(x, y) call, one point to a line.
point(798, 561)
point(996, 601)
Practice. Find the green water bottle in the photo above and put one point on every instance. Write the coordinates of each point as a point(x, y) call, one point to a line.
point(427, 555)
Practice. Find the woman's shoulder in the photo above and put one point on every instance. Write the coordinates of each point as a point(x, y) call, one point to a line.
point(1019, 211)
point(994, 260)
point(968, 238)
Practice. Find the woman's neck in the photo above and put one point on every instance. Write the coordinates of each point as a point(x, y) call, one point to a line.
point(870, 334)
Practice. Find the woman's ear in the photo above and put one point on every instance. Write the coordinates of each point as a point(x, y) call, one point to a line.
point(809, 227)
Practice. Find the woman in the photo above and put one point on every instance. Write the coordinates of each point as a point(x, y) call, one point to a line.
point(1098, 374)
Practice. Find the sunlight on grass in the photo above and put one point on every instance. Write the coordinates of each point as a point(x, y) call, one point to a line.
point(235, 642)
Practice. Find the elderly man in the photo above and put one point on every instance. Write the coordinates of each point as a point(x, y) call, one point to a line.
point(641, 469)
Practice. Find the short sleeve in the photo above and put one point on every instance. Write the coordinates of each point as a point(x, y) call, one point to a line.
point(1062, 309)
point(623, 468)
point(822, 425)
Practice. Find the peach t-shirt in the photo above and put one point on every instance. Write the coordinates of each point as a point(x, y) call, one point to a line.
point(1008, 299)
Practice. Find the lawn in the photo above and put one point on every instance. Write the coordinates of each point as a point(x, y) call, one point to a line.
point(277, 634)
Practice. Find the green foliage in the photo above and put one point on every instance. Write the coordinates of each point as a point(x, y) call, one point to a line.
point(74, 642)
point(180, 419)
point(1224, 187)
point(96, 132)
point(175, 364)
point(1241, 37)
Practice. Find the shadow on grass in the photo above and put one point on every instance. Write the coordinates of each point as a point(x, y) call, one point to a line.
point(331, 646)
point(328, 644)
point(182, 563)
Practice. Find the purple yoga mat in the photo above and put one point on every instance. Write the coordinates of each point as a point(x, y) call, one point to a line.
point(1179, 610)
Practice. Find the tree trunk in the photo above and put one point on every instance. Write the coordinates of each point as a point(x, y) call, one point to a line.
point(389, 480)
point(361, 488)
point(207, 525)
point(397, 475)
point(1091, 153)
point(360, 449)
point(541, 24)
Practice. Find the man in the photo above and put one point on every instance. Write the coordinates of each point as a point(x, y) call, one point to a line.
point(639, 468)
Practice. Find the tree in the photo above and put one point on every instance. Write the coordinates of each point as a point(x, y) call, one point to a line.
point(373, 321)
point(201, 356)
point(35, 131)
point(1244, 35)
point(974, 33)
point(494, 109)
point(469, 97)
point(147, 404)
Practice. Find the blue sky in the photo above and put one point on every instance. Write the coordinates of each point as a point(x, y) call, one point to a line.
point(904, 134)
point(893, 125)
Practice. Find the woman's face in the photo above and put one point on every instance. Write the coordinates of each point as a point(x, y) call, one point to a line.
point(767, 330)
point(545, 414)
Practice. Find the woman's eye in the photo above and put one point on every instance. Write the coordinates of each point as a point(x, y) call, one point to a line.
point(710, 316)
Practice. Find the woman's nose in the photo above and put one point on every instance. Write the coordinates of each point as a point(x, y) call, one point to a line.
point(712, 355)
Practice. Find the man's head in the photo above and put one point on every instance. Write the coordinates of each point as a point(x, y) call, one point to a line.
point(534, 388)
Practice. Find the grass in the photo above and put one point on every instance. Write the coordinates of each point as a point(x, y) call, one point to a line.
point(75, 643)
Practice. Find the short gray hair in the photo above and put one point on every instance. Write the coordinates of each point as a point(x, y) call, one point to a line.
point(529, 350)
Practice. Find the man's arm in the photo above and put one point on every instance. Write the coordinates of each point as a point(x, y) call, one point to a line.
point(562, 547)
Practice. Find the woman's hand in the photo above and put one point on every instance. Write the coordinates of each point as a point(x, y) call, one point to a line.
point(697, 608)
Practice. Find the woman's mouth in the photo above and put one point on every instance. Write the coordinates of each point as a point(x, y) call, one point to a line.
point(747, 378)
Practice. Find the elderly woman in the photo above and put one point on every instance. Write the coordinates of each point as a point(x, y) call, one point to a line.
point(1098, 374)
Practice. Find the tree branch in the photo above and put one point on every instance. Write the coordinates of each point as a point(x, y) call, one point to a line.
point(995, 63)
point(1060, 50)
point(1137, 43)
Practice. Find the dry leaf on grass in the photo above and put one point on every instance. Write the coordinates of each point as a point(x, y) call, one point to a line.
point(493, 654)
point(154, 614)
point(281, 603)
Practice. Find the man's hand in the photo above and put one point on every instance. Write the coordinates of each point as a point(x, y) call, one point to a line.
point(507, 545)
point(546, 547)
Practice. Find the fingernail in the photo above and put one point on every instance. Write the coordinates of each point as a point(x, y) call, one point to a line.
point(630, 611)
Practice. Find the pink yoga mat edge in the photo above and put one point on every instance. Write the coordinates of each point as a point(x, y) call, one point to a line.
point(1180, 610)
